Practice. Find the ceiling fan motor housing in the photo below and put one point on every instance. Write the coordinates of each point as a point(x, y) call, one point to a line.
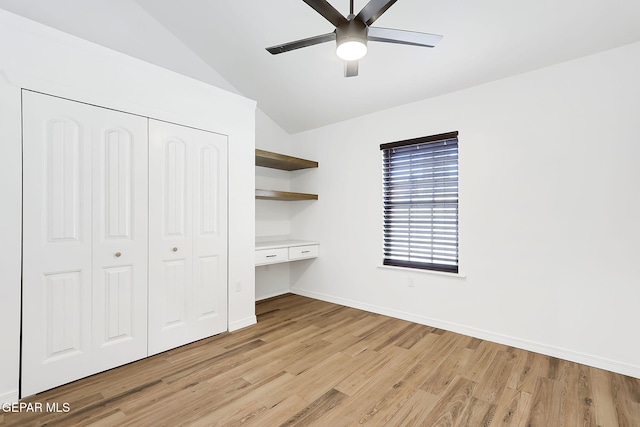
point(353, 31)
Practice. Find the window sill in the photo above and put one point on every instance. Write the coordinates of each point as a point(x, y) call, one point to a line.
point(419, 271)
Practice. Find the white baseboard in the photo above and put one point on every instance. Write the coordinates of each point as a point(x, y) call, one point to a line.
point(561, 353)
point(10, 397)
point(272, 294)
point(243, 323)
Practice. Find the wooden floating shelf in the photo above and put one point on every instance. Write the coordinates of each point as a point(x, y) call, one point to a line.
point(271, 160)
point(283, 195)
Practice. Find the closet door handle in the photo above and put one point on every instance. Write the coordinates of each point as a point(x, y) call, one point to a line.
point(117, 254)
point(175, 249)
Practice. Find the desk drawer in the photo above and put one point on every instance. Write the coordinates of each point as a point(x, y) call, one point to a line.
point(300, 252)
point(271, 256)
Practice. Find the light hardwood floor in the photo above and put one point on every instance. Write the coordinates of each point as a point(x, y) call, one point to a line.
point(309, 362)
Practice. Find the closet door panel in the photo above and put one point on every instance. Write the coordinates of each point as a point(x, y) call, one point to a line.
point(56, 338)
point(118, 303)
point(116, 184)
point(176, 211)
point(170, 238)
point(174, 288)
point(120, 236)
point(64, 176)
point(206, 284)
point(187, 253)
point(210, 231)
point(63, 314)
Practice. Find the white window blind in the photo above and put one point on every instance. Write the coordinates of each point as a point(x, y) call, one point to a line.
point(420, 178)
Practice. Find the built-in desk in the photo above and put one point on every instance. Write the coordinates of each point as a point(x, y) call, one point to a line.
point(276, 251)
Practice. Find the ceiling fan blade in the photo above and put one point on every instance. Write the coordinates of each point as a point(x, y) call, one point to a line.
point(350, 68)
point(328, 11)
point(414, 38)
point(373, 10)
point(281, 48)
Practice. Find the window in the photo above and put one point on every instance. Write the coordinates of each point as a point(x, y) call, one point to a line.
point(420, 178)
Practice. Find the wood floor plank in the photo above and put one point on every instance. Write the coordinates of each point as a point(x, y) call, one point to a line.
point(586, 409)
point(316, 409)
point(145, 410)
point(280, 413)
point(603, 398)
point(355, 407)
point(478, 413)
point(413, 411)
point(320, 378)
point(390, 336)
point(402, 358)
point(412, 371)
point(109, 419)
point(366, 366)
point(546, 403)
point(447, 371)
point(451, 406)
point(312, 363)
point(494, 381)
point(512, 409)
point(444, 345)
point(413, 335)
point(627, 409)
point(311, 360)
point(388, 403)
point(280, 358)
point(269, 392)
point(234, 414)
point(479, 362)
point(633, 387)
point(525, 371)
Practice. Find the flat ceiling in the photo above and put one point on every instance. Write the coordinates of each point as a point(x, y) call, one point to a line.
point(305, 89)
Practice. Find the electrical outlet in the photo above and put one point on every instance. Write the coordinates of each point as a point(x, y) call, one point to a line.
point(238, 286)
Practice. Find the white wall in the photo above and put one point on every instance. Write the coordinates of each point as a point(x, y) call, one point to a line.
point(39, 58)
point(549, 212)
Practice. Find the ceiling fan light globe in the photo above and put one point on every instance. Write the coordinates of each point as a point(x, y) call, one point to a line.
point(351, 50)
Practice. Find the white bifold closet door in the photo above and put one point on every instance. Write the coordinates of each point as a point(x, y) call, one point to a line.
point(187, 235)
point(84, 240)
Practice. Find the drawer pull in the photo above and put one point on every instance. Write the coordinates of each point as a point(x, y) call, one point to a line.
point(271, 256)
point(305, 252)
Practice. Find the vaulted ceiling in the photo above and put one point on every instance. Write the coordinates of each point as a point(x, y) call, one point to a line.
point(304, 89)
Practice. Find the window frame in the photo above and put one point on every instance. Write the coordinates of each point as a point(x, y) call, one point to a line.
point(443, 200)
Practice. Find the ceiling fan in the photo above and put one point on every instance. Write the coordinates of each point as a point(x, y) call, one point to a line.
point(353, 32)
